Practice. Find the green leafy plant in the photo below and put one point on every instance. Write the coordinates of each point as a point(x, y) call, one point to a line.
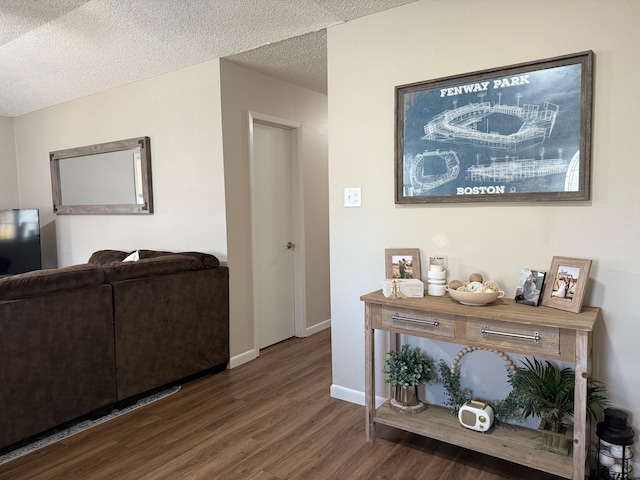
point(450, 380)
point(408, 367)
point(545, 390)
point(504, 410)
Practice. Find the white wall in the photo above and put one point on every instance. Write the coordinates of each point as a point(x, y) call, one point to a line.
point(426, 40)
point(9, 197)
point(180, 112)
point(245, 90)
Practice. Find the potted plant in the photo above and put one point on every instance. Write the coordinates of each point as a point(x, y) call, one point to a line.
point(545, 390)
point(406, 369)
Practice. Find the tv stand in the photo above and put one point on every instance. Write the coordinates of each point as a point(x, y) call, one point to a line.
point(534, 331)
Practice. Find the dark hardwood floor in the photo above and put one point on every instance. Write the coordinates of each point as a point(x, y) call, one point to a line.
point(269, 419)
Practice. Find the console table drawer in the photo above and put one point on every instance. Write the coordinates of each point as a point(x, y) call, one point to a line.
point(433, 324)
point(524, 338)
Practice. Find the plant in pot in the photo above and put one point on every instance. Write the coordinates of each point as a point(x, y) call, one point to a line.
point(406, 369)
point(545, 390)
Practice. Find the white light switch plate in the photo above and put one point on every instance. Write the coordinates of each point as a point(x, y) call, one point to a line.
point(352, 197)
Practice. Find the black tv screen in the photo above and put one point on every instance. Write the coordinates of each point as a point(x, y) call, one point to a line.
point(19, 241)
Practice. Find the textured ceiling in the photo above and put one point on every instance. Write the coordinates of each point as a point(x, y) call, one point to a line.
point(52, 51)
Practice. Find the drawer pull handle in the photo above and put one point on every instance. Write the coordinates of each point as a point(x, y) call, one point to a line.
point(435, 322)
point(535, 337)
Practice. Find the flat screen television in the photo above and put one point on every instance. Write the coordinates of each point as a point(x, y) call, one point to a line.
point(19, 241)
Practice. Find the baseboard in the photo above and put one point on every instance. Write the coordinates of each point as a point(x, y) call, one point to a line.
point(318, 327)
point(243, 358)
point(252, 354)
point(351, 395)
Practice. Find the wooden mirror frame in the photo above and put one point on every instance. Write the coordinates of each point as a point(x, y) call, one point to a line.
point(146, 205)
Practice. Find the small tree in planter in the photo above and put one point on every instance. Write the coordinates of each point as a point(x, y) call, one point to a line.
point(406, 369)
point(545, 390)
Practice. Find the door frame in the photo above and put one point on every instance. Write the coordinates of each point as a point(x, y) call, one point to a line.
point(299, 298)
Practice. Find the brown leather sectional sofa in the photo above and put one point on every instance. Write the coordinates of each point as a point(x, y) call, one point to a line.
point(80, 340)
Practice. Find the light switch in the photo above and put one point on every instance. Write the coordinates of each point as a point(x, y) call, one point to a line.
point(352, 197)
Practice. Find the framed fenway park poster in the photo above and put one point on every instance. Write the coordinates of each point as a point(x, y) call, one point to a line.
point(516, 133)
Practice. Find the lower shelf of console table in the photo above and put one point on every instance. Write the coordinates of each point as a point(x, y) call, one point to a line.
point(515, 444)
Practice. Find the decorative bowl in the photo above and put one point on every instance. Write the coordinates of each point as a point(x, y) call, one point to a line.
point(474, 299)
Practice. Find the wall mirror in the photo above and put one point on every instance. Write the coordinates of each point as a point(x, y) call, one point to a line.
point(108, 178)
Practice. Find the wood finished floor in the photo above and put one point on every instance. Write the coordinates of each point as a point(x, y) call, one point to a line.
point(269, 419)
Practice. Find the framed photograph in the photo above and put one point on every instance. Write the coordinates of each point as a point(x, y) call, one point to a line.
point(530, 286)
point(566, 283)
point(515, 133)
point(402, 263)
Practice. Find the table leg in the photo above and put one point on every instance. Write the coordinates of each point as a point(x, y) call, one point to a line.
point(581, 438)
point(369, 366)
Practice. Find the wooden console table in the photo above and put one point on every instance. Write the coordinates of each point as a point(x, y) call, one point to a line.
point(503, 325)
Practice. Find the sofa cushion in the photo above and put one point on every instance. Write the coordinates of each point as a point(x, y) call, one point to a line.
point(104, 257)
point(43, 282)
point(150, 267)
point(145, 254)
point(208, 260)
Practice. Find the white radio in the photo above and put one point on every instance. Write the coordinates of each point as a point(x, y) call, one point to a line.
point(476, 415)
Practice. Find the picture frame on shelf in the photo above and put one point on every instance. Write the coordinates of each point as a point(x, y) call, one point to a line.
point(530, 287)
point(566, 283)
point(401, 263)
point(515, 133)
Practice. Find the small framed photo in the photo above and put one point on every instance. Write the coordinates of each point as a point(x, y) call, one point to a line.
point(530, 286)
point(566, 283)
point(402, 263)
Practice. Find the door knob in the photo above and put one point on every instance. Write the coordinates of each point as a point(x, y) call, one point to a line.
point(291, 245)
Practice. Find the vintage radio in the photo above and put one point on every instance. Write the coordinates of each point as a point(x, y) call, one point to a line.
point(476, 415)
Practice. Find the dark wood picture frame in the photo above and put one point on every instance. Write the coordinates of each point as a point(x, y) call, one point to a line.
point(402, 263)
point(515, 133)
point(566, 283)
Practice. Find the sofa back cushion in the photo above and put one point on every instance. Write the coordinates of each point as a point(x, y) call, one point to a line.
point(149, 267)
point(106, 257)
point(207, 260)
point(43, 282)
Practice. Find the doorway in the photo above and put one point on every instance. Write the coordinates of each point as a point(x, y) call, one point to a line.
point(275, 243)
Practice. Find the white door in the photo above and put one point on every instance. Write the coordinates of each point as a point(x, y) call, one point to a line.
point(272, 233)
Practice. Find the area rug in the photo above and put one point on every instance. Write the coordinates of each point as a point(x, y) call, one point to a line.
point(73, 427)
